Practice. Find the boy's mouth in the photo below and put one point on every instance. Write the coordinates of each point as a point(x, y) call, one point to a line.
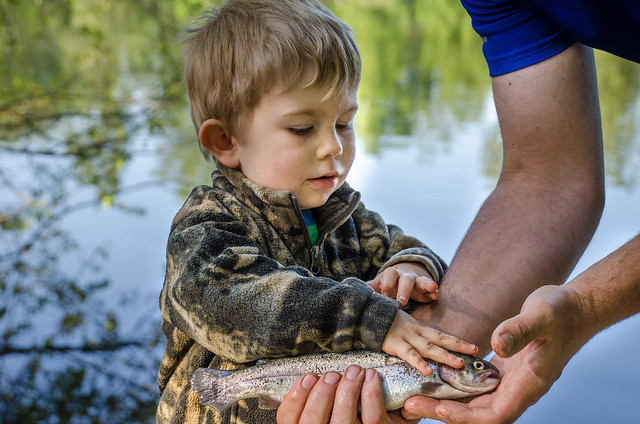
point(326, 181)
point(327, 176)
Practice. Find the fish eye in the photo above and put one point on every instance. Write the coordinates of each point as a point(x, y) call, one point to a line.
point(479, 365)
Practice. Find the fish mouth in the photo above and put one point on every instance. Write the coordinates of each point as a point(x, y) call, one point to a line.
point(489, 375)
point(489, 380)
point(480, 383)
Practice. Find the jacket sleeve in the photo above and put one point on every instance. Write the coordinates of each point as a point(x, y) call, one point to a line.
point(224, 292)
point(386, 245)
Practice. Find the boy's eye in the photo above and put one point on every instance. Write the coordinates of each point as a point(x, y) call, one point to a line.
point(344, 127)
point(301, 131)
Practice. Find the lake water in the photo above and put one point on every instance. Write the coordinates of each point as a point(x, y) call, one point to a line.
point(428, 155)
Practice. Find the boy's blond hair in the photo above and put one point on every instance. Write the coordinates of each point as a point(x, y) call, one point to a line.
point(236, 53)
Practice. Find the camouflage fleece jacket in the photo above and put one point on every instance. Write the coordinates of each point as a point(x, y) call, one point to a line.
point(239, 286)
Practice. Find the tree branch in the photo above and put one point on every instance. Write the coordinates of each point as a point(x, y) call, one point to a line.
point(100, 347)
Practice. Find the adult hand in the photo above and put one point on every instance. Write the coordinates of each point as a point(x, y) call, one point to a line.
point(333, 398)
point(534, 347)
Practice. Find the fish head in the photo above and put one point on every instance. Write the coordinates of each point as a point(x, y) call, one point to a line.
point(475, 377)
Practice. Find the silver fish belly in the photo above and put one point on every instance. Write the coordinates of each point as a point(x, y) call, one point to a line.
point(270, 380)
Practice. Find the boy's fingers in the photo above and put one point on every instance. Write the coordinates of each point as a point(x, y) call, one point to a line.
point(423, 297)
point(406, 284)
point(389, 282)
point(375, 285)
point(434, 296)
point(416, 359)
point(439, 354)
point(447, 341)
point(436, 345)
point(425, 290)
point(426, 284)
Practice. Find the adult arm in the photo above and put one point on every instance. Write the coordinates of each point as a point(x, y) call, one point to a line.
point(555, 322)
point(536, 223)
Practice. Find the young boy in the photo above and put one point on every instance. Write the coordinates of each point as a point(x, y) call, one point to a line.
point(273, 259)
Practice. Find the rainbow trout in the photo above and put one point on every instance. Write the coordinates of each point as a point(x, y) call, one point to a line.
point(270, 380)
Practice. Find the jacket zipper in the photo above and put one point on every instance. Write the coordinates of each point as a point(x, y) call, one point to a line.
point(316, 249)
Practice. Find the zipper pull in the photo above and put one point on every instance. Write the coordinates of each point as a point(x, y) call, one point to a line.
point(315, 259)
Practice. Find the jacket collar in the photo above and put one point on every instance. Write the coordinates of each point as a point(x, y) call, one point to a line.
point(281, 203)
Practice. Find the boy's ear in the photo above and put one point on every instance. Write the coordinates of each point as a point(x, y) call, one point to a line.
point(215, 138)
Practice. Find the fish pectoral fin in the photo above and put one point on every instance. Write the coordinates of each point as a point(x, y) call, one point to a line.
point(429, 388)
point(442, 391)
point(266, 402)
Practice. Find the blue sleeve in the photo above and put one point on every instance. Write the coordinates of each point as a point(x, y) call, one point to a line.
point(520, 33)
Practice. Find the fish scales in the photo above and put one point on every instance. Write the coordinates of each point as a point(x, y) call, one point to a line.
point(270, 380)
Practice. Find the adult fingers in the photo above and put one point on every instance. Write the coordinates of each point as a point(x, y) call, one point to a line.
point(345, 406)
point(446, 411)
point(420, 407)
point(294, 401)
point(372, 398)
point(512, 335)
point(320, 402)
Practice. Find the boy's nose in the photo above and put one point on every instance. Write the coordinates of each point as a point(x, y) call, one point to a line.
point(331, 145)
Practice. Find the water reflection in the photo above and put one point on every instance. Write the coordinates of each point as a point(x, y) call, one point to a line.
point(96, 143)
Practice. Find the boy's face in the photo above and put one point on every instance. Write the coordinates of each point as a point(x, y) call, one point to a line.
point(296, 141)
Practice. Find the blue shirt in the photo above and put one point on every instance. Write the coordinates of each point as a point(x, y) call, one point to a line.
point(310, 222)
point(520, 33)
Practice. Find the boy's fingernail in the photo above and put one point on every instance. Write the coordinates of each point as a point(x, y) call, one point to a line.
point(309, 381)
point(352, 372)
point(331, 377)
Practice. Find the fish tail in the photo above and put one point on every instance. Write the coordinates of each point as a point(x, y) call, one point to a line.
point(211, 387)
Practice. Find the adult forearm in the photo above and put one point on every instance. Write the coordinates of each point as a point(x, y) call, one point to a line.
point(535, 225)
point(524, 236)
point(609, 290)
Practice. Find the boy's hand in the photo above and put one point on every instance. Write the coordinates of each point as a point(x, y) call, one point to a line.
point(404, 280)
point(411, 341)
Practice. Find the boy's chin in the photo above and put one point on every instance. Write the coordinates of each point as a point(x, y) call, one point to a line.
point(312, 203)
